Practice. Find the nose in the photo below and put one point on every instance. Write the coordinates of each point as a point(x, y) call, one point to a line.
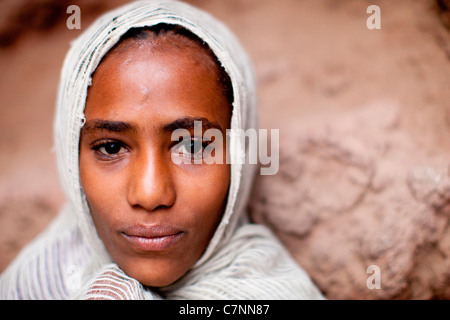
point(150, 185)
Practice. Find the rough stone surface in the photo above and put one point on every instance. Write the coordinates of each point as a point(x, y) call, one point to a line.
point(349, 195)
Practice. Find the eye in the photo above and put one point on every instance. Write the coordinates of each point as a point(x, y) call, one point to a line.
point(109, 150)
point(191, 148)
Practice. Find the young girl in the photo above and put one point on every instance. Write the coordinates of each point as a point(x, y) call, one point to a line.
point(137, 224)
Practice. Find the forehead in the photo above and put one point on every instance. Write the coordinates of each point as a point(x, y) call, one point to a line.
point(163, 82)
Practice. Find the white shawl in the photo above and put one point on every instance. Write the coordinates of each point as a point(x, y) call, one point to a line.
point(242, 260)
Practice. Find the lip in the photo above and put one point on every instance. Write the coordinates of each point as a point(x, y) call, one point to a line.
point(152, 238)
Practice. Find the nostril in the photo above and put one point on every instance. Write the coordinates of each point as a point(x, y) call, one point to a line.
point(151, 197)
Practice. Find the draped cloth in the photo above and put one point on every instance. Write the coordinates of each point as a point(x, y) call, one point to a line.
point(68, 260)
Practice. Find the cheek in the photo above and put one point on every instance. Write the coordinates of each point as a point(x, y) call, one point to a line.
point(102, 190)
point(90, 180)
point(206, 193)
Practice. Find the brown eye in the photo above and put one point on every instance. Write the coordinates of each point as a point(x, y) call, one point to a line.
point(111, 148)
point(108, 149)
point(192, 147)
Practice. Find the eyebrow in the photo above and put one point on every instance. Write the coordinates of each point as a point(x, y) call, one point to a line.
point(189, 123)
point(107, 125)
point(120, 126)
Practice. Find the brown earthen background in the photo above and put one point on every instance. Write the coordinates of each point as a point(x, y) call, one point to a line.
point(364, 127)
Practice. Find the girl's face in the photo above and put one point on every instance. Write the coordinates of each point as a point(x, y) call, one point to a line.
point(155, 217)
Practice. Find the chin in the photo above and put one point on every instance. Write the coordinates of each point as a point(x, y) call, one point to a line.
point(151, 274)
point(156, 282)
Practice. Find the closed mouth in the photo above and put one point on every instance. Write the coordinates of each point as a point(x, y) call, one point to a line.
point(152, 238)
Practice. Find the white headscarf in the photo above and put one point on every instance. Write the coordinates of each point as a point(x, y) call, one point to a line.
point(242, 260)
